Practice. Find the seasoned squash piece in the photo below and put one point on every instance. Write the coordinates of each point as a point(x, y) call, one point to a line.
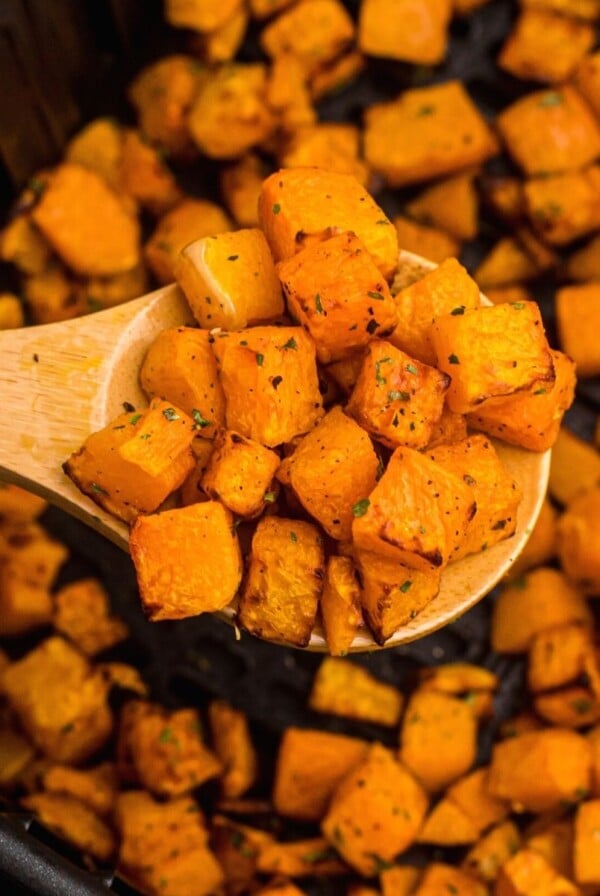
point(566, 206)
point(554, 842)
point(437, 505)
point(578, 318)
point(400, 880)
point(83, 615)
point(392, 594)
point(471, 794)
point(584, 264)
point(310, 765)
point(409, 31)
point(187, 561)
point(123, 677)
point(449, 428)
point(438, 739)
point(541, 769)
point(329, 145)
point(269, 377)
point(333, 468)
point(542, 599)
point(491, 852)
point(52, 295)
point(288, 94)
point(545, 46)
point(587, 79)
point(86, 223)
point(162, 94)
point(96, 787)
point(302, 206)
point(191, 219)
point(503, 194)
point(457, 678)
point(234, 748)
point(22, 244)
point(495, 493)
point(448, 825)
point(236, 848)
point(542, 544)
point(11, 311)
point(397, 398)
point(74, 821)
point(578, 540)
point(163, 846)
point(440, 879)
point(135, 462)
point(98, 146)
point(241, 183)
point(24, 606)
point(528, 874)
point(587, 855)
point(230, 280)
point(180, 366)
point(281, 593)
point(340, 605)
point(559, 655)
point(550, 131)
point(507, 262)
point(574, 707)
point(144, 175)
point(451, 204)
point(31, 555)
point(223, 43)
point(532, 418)
point(60, 701)
point(239, 474)
point(431, 243)
point(200, 15)
point(515, 293)
point(315, 32)
point(492, 352)
point(229, 114)
point(574, 467)
point(299, 858)
point(191, 491)
point(345, 689)
point(447, 133)
point(386, 801)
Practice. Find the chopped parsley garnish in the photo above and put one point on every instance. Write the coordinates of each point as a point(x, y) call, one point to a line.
point(398, 396)
point(361, 507)
point(98, 489)
point(290, 344)
point(376, 295)
point(293, 537)
point(551, 99)
point(379, 863)
point(318, 304)
point(269, 497)
point(260, 359)
point(170, 414)
point(276, 208)
point(412, 369)
point(165, 736)
point(319, 855)
point(135, 419)
point(518, 306)
point(378, 377)
point(405, 586)
point(540, 392)
point(453, 359)
point(200, 422)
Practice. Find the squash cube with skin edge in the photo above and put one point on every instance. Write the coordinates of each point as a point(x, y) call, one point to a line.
point(310, 765)
point(587, 839)
point(299, 207)
point(422, 239)
point(332, 468)
point(425, 536)
point(578, 540)
point(229, 280)
point(495, 493)
point(532, 418)
point(280, 597)
point(540, 770)
point(397, 398)
point(447, 131)
point(269, 377)
point(180, 366)
point(342, 688)
point(337, 293)
point(578, 318)
point(239, 474)
point(375, 812)
point(529, 874)
point(340, 605)
point(392, 594)
point(550, 131)
point(438, 739)
point(60, 700)
point(135, 462)
point(233, 746)
point(451, 204)
point(408, 31)
point(492, 352)
point(315, 32)
point(187, 561)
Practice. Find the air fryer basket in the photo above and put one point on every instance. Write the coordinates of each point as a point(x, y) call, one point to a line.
point(82, 54)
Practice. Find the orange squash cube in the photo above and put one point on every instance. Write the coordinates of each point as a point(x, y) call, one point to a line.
point(545, 46)
point(558, 656)
point(440, 879)
point(342, 688)
point(233, 746)
point(578, 318)
point(491, 852)
point(529, 874)
point(239, 474)
point(451, 204)
point(241, 183)
point(329, 145)
point(587, 854)
point(587, 80)
point(578, 540)
point(566, 206)
point(407, 31)
point(340, 605)
point(431, 243)
point(506, 263)
point(584, 263)
point(190, 220)
point(315, 33)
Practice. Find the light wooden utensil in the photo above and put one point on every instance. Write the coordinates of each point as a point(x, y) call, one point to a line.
point(60, 382)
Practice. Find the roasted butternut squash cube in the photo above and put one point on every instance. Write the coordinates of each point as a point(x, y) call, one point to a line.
point(545, 46)
point(392, 594)
point(584, 264)
point(375, 812)
point(76, 822)
point(529, 874)
point(573, 707)
point(180, 366)
point(315, 33)
point(98, 146)
point(340, 605)
point(236, 848)
point(191, 491)
point(269, 377)
point(532, 418)
point(578, 316)
point(239, 474)
point(515, 293)
point(32, 556)
point(587, 80)
point(24, 606)
point(135, 462)
point(82, 614)
point(223, 43)
point(234, 748)
point(310, 765)
point(86, 223)
point(559, 655)
point(22, 244)
point(229, 280)
point(587, 857)
point(540, 600)
point(52, 295)
point(288, 94)
point(491, 852)
point(447, 132)
point(97, 293)
point(144, 175)
point(449, 428)
point(200, 15)
point(280, 597)
point(16, 754)
point(96, 787)
point(190, 220)
point(566, 206)
point(452, 204)
point(400, 880)
point(299, 858)
point(229, 114)
point(345, 689)
point(430, 242)
point(506, 263)
point(333, 467)
point(440, 879)
point(550, 131)
point(336, 291)
point(11, 311)
point(438, 739)
point(241, 183)
point(578, 540)
point(302, 206)
point(542, 544)
point(60, 701)
point(554, 842)
point(187, 561)
point(457, 678)
point(574, 467)
point(472, 795)
point(397, 398)
point(437, 505)
point(405, 31)
point(329, 145)
point(538, 770)
point(448, 825)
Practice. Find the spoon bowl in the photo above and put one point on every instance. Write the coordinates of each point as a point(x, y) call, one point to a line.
point(60, 382)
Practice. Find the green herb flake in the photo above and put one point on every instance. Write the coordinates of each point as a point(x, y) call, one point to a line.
point(319, 855)
point(550, 99)
point(269, 497)
point(422, 530)
point(260, 358)
point(518, 306)
point(398, 396)
point(382, 222)
point(406, 586)
point(293, 537)
point(145, 436)
point(377, 296)
point(453, 359)
point(424, 111)
point(276, 208)
point(378, 377)
point(582, 705)
point(36, 186)
point(98, 489)
point(459, 310)
point(379, 863)
point(361, 507)
point(540, 392)
point(318, 304)
point(135, 419)
point(200, 422)
point(170, 414)
point(165, 736)
point(412, 369)
point(290, 344)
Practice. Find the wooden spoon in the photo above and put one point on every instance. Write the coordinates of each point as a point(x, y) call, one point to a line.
point(62, 381)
